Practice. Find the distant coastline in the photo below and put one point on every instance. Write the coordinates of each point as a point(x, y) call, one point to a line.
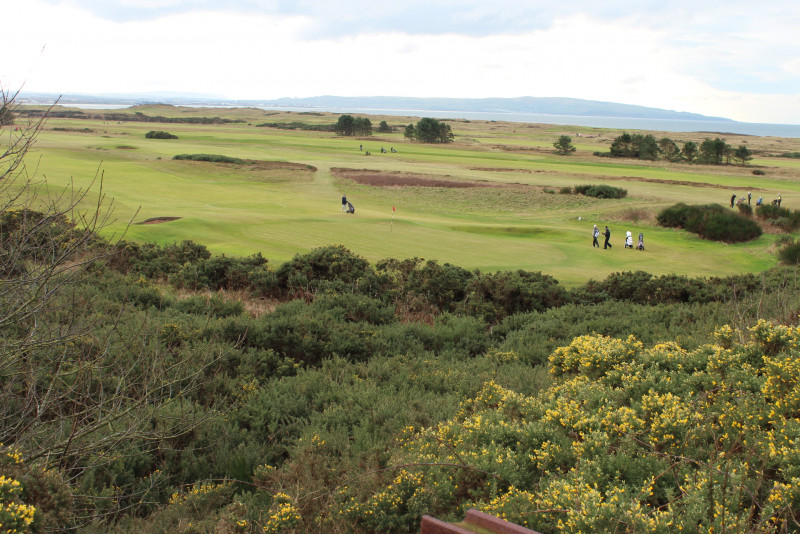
point(712, 127)
point(556, 111)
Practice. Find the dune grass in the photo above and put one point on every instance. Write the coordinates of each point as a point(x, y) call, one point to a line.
point(238, 210)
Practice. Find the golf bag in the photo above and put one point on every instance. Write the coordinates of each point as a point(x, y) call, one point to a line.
point(350, 208)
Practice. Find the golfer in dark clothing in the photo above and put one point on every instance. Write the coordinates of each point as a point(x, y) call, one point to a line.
point(733, 200)
point(344, 203)
point(607, 233)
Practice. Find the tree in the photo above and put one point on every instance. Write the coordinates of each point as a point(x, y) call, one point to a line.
point(645, 147)
point(669, 149)
point(345, 125)
point(563, 145)
point(713, 151)
point(622, 146)
point(743, 155)
point(409, 132)
point(430, 130)
point(689, 151)
point(384, 127)
point(427, 130)
point(349, 125)
point(362, 126)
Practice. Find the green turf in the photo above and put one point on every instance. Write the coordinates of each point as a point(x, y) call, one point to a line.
point(236, 210)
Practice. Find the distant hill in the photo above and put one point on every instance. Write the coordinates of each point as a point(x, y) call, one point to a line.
point(525, 104)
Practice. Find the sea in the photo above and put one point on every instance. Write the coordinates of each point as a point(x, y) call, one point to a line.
point(712, 127)
point(621, 123)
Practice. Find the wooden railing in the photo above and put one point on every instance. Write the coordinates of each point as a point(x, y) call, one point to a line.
point(474, 522)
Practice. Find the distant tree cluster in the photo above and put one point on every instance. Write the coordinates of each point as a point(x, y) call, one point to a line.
point(429, 130)
point(349, 125)
point(647, 147)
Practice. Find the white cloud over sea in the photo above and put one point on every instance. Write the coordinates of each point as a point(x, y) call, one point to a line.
point(731, 59)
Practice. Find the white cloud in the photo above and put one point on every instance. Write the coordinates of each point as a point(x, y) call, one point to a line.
point(682, 64)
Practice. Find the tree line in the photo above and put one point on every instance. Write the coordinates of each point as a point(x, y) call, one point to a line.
point(427, 130)
point(647, 147)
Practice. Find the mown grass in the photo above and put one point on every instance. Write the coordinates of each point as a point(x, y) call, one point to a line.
point(238, 211)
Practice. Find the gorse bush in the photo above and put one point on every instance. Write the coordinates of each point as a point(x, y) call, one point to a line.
point(785, 219)
point(159, 134)
point(211, 158)
point(710, 222)
point(789, 254)
point(590, 452)
point(307, 394)
point(600, 191)
point(156, 261)
point(727, 227)
point(498, 295)
point(684, 215)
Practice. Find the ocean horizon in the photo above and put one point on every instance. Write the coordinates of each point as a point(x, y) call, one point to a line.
point(711, 127)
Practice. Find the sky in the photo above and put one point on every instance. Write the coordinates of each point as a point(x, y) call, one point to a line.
point(727, 58)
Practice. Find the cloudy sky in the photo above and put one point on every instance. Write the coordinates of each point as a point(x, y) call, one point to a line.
point(732, 58)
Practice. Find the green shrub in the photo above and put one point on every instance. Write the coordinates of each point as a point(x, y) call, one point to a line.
point(710, 222)
point(220, 272)
point(783, 218)
point(355, 308)
point(305, 272)
point(789, 254)
point(155, 261)
point(771, 212)
point(159, 134)
point(498, 295)
point(728, 227)
point(745, 209)
point(600, 191)
point(759, 172)
point(298, 125)
point(444, 286)
point(212, 158)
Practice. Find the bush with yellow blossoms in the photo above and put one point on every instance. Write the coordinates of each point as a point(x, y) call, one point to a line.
point(628, 439)
point(15, 514)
